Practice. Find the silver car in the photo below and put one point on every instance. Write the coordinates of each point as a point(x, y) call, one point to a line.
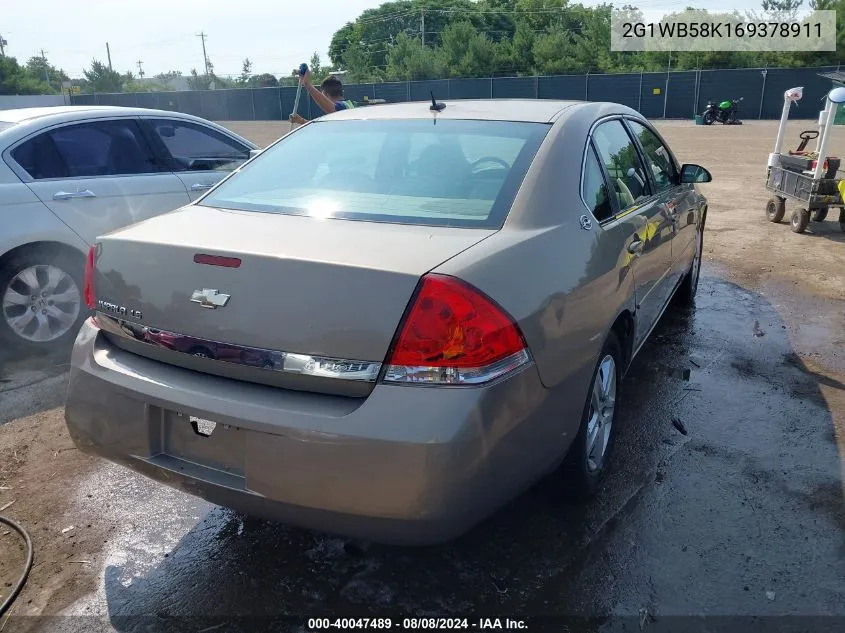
point(394, 319)
point(69, 174)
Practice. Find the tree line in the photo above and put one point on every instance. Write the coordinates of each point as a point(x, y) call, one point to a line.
point(38, 76)
point(432, 39)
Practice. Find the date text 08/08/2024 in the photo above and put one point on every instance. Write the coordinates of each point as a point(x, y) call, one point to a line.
point(416, 624)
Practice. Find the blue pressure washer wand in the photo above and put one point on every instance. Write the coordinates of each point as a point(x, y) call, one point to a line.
point(299, 72)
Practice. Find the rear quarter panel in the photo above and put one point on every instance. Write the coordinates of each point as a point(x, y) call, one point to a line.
point(25, 220)
point(564, 285)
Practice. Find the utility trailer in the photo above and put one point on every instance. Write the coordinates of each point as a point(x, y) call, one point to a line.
point(807, 177)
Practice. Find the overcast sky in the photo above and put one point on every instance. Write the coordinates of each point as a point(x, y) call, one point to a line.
point(275, 34)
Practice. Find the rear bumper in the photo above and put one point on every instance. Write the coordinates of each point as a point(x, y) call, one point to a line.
point(406, 465)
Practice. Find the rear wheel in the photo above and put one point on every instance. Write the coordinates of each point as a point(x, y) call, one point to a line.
point(800, 219)
point(819, 215)
point(587, 460)
point(201, 351)
point(41, 304)
point(689, 286)
point(775, 209)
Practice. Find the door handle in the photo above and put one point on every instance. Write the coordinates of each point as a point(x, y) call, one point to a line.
point(636, 246)
point(200, 187)
point(69, 195)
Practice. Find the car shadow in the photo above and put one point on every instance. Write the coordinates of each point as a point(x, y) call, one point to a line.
point(31, 382)
point(697, 424)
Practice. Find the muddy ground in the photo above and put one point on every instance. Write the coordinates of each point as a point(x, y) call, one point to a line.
point(735, 511)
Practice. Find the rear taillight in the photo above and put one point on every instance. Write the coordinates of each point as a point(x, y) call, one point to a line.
point(453, 334)
point(90, 295)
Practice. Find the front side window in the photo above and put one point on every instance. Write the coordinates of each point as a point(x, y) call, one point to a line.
point(594, 189)
point(627, 174)
point(452, 173)
point(659, 159)
point(194, 147)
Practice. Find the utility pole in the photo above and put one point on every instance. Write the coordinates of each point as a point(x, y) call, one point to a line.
point(140, 68)
point(108, 54)
point(2, 44)
point(666, 87)
point(422, 25)
point(202, 36)
point(46, 72)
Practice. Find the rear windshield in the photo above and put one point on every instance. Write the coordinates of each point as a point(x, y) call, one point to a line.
point(443, 173)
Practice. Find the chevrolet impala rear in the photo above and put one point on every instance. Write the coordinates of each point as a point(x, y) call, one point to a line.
point(293, 345)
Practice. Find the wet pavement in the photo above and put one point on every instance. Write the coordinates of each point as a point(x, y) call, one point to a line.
point(726, 499)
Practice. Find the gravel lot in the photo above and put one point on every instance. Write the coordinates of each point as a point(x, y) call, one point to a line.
point(740, 515)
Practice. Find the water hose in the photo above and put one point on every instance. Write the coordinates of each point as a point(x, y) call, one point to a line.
point(27, 566)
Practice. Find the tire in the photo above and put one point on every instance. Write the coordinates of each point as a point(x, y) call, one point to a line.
point(775, 209)
point(708, 118)
point(842, 218)
point(800, 219)
point(689, 286)
point(201, 352)
point(818, 215)
point(583, 469)
point(47, 274)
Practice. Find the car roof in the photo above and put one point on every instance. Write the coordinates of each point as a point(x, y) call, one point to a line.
point(523, 110)
point(28, 120)
point(70, 113)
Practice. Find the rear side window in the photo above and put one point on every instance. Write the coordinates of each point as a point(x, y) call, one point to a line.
point(38, 157)
point(84, 150)
point(103, 148)
point(454, 173)
point(594, 188)
point(627, 173)
point(198, 148)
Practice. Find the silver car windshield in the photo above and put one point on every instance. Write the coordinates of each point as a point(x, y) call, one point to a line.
point(448, 173)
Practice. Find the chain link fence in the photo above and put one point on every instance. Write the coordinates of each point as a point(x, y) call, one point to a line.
point(669, 95)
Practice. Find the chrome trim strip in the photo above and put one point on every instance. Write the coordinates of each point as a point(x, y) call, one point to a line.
point(260, 358)
point(455, 376)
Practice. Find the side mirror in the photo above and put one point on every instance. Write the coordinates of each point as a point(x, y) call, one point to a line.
point(254, 152)
point(694, 174)
point(167, 131)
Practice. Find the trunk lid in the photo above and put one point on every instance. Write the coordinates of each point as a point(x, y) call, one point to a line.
point(331, 288)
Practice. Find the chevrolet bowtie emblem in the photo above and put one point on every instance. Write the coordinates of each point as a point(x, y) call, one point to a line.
point(209, 298)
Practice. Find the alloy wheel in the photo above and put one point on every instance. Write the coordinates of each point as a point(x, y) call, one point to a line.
point(41, 303)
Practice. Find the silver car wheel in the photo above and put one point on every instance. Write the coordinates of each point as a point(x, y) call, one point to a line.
point(41, 303)
point(602, 406)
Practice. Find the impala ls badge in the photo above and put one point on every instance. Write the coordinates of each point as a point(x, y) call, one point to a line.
point(209, 298)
